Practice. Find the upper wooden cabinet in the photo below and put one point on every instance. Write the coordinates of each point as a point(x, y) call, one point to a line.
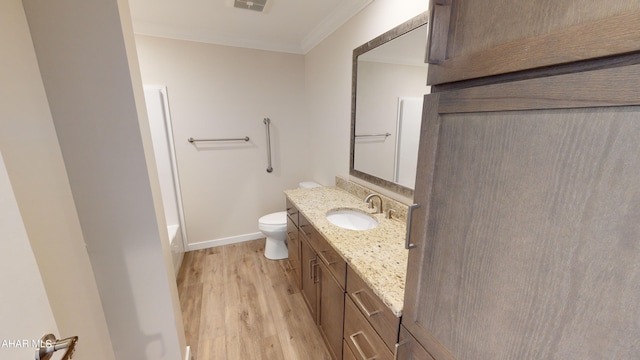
point(473, 39)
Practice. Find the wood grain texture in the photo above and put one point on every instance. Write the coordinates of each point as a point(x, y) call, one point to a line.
point(499, 36)
point(382, 318)
point(532, 237)
point(409, 348)
point(239, 305)
point(293, 249)
point(360, 335)
point(331, 310)
point(528, 231)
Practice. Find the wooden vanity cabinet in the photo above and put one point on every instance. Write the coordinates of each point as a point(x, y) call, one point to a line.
point(323, 280)
point(327, 285)
point(331, 310)
point(309, 264)
point(330, 276)
point(293, 242)
point(293, 246)
point(472, 39)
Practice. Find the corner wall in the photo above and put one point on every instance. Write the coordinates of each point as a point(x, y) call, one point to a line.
point(90, 74)
point(38, 176)
point(219, 91)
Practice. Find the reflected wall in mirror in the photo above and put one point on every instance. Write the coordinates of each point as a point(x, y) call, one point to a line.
point(388, 85)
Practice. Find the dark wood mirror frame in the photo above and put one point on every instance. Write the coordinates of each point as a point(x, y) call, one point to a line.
point(398, 31)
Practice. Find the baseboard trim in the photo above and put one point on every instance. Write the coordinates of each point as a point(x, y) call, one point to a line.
point(225, 241)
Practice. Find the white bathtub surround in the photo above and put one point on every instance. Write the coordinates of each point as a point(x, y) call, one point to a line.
point(177, 248)
point(159, 115)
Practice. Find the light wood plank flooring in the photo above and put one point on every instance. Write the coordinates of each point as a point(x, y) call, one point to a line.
point(236, 304)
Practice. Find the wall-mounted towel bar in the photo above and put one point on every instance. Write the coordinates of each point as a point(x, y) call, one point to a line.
point(385, 135)
point(267, 121)
point(246, 138)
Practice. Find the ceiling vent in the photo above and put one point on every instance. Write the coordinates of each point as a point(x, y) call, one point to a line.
point(255, 5)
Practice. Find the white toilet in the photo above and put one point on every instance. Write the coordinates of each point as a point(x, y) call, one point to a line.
point(274, 227)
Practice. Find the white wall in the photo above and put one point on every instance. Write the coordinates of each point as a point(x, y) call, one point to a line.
point(219, 92)
point(379, 87)
point(36, 170)
point(89, 70)
point(25, 313)
point(328, 86)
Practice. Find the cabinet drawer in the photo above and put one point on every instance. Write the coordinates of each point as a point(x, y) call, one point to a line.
point(361, 337)
point(305, 227)
point(293, 246)
point(292, 212)
point(347, 354)
point(336, 265)
point(373, 309)
point(409, 348)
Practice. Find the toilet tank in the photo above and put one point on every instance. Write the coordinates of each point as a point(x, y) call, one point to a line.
point(308, 185)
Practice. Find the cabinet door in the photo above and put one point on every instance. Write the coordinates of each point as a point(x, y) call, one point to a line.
point(293, 246)
point(331, 310)
point(472, 39)
point(527, 235)
point(409, 349)
point(309, 283)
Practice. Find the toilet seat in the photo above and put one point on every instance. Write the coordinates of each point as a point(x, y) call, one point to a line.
point(277, 218)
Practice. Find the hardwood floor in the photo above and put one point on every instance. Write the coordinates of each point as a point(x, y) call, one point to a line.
point(236, 304)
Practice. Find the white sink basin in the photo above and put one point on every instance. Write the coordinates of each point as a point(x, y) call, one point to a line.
point(351, 219)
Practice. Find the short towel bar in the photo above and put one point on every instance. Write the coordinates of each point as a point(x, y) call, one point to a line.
point(246, 138)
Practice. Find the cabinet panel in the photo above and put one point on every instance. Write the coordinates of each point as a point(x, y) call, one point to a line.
point(360, 336)
point(527, 234)
point(309, 269)
point(335, 264)
point(331, 311)
point(347, 354)
point(375, 311)
point(292, 212)
point(472, 39)
point(409, 348)
point(293, 246)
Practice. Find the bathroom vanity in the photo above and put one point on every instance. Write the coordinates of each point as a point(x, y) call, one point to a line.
point(352, 280)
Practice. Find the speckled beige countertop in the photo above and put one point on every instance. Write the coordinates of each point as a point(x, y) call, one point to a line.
point(377, 255)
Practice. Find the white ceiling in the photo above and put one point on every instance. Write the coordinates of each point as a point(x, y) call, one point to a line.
point(293, 26)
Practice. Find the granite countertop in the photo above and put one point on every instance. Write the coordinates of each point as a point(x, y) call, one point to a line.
point(377, 255)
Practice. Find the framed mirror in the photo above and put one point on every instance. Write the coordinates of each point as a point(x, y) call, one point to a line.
point(388, 84)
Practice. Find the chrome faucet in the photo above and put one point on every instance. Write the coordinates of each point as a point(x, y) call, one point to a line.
point(369, 200)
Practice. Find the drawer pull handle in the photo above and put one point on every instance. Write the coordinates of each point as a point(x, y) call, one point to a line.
point(407, 241)
point(314, 271)
point(398, 345)
point(358, 348)
point(356, 296)
point(311, 265)
point(325, 259)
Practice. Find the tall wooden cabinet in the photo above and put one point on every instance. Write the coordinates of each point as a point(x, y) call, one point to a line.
point(473, 39)
point(528, 233)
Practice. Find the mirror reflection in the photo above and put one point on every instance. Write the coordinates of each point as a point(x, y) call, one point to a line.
point(389, 85)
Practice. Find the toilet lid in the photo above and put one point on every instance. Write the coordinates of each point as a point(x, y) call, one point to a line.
point(278, 218)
